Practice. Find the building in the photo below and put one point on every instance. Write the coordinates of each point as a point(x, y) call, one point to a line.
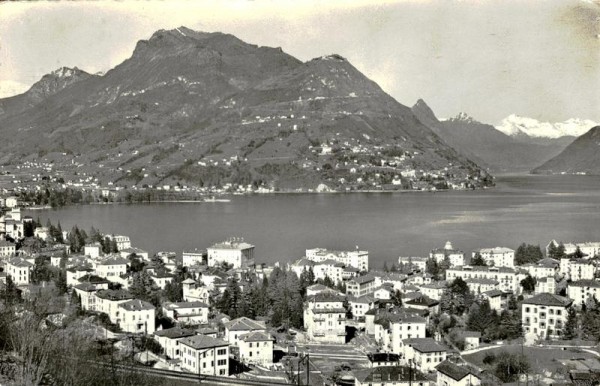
point(233, 252)
point(423, 303)
point(456, 257)
point(361, 285)
point(417, 263)
point(545, 315)
point(546, 284)
point(126, 252)
point(390, 376)
point(200, 354)
point(540, 270)
point(452, 374)
point(495, 298)
point(41, 233)
point(360, 306)
point(497, 257)
point(77, 272)
point(472, 339)
point(325, 318)
point(194, 293)
point(93, 250)
point(425, 353)
point(136, 316)
point(577, 269)
point(108, 301)
point(480, 285)
point(590, 249)
point(195, 257)
point(169, 340)
point(583, 290)
point(235, 328)
point(123, 242)
point(7, 248)
point(256, 347)
point(383, 359)
point(86, 291)
point(187, 312)
point(111, 268)
point(19, 270)
point(506, 277)
point(392, 328)
point(357, 259)
point(434, 290)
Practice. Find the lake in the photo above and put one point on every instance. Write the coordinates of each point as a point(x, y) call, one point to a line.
point(521, 208)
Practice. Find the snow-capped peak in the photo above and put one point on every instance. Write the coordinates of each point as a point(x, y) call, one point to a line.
point(515, 125)
point(462, 116)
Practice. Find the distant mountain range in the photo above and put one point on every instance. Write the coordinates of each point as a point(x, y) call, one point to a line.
point(210, 109)
point(581, 156)
point(489, 147)
point(517, 126)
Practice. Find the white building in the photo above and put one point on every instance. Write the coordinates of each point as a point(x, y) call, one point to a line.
point(194, 293)
point(7, 248)
point(545, 315)
point(392, 328)
point(123, 242)
point(111, 268)
point(108, 301)
point(195, 257)
point(590, 249)
point(456, 257)
point(325, 318)
point(498, 256)
point(19, 270)
point(169, 340)
point(433, 290)
point(361, 285)
point(417, 263)
point(506, 277)
point(360, 306)
point(545, 285)
point(234, 252)
point(577, 269)
point(93, 250)
point(201, 354)
point(136, 316)
point(357, 259)
point(235, 328)
point(187, 312)
point(583, 290)
point(256, 347)
point(11, 202)
point(425, 353)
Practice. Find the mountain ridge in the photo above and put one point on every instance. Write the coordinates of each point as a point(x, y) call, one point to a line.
point(210, 109)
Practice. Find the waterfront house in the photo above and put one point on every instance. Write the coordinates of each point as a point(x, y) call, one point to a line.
point(122, 242)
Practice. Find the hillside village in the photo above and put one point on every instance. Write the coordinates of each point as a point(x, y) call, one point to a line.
point(329, 317)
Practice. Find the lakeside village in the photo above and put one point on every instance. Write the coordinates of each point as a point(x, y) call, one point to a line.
point(71, 300)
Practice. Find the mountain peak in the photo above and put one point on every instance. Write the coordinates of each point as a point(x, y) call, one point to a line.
point(66, 72)
point(516, 125)
point(463, 117)
point(423, 112)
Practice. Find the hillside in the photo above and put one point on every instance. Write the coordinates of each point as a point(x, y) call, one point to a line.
point(581, 156)
point(488, 146)
point(208, 109)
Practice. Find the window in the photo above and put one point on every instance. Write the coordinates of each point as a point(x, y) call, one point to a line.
point(221, 351)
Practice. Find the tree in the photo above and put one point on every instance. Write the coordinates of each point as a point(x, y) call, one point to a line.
point(385, 267)
point(578, 254)
point(142, 287)
point(509, 366)
point(397, 298)
point(61, 282)
point(481, 318)
point(432, 267)
point(457, 298)
point(570, 330)
point(478, 260)
point(28, 228)
point(528, 284)
point(527, 253)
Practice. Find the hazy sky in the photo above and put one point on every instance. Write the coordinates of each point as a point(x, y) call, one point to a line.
point(539, 59)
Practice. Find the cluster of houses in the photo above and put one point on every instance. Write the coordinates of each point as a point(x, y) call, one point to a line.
point(368, 303)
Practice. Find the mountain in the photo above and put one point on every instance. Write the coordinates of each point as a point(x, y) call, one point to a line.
point(487, 146)
point(49, 85)
point(210, 110)
point(581, 156)
point(517, 126)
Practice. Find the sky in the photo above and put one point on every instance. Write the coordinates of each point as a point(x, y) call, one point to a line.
point(490, 59)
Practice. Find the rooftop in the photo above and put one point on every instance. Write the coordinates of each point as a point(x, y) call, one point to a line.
point(256, 336)
point(175, 333)
point(179, 305)
point(199, 342)
point(233, 244)
point(244, 324)
point(137, 305)
point(547, 299)
point(109, 294)
point(425, 345)
point(454, 371)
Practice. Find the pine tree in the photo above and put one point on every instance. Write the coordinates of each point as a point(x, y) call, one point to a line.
point(570, 330)
point(61, 282)
point(478, 260)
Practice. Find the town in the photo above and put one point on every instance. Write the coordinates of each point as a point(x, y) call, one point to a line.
point(490, 316)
